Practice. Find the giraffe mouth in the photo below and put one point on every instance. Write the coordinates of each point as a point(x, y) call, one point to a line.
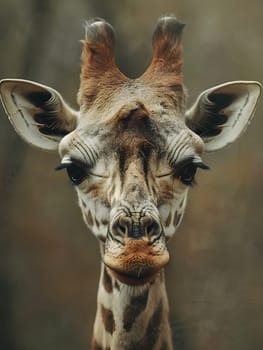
point(136, 263)
point(133, 280)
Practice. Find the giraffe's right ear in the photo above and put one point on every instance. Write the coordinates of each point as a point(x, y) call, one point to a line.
point(38, 113)
point(222, 113)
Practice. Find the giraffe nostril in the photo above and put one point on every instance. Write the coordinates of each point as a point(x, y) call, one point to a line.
point(122, 229)
point(153, 228)
point(131, 227)
point(121, 226)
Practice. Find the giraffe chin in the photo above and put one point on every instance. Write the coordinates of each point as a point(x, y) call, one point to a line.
point(137, 263)
point(133, 280)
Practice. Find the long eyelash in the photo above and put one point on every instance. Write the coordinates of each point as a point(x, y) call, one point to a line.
point(192, 160)
point(202, 165)
point(65, 163)
point(62, 166)
point(184, 165)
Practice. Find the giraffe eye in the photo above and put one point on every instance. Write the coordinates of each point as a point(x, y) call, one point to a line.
point(187, 174)
point(76, 173)
point(186, 170)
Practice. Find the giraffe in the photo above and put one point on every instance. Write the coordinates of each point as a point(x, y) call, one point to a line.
point(132, 152)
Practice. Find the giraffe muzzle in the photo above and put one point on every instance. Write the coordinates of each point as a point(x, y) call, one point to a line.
point(135, 249)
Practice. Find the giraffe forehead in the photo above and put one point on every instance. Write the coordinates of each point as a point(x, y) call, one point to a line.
point(134, 132)
point(134, 116)
point(140, 131)
point(132, 95)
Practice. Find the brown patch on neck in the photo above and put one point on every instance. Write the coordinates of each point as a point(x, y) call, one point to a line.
point(89, 219)
point(168, 220)
point(116, 285)
point(177, 218)
point(107, 281)
point(108, 319)
point(134, 309)
point(152, 333)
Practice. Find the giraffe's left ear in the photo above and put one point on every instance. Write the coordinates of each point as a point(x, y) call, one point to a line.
point(38, 113)
point(222, 113)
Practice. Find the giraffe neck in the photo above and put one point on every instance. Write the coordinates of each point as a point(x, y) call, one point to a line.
point(131, 317)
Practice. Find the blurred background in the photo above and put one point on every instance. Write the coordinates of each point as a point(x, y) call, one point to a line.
point(49, 265)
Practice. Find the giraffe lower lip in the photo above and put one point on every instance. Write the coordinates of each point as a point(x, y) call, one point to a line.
point(136, 263)
point(133, 280)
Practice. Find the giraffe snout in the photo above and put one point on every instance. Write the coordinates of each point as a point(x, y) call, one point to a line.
point(135, 248)
point(137, 226)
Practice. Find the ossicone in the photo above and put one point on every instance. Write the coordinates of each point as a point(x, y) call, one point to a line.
point(98, 69)
point(99, 42)
point(167, 48)
point(165, 70)
point(167, 34)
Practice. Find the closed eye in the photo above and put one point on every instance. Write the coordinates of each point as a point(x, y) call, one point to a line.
point(77, 171)
point(185, 170)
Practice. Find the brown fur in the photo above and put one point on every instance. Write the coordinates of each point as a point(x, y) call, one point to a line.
point(99, 72)
point(105, 222)
point(137, 263)
point(117, 100)
point(94, 190)
point(150, 337)
point(168, 220)
point(165, 70)
point(101, 238)
point(108, 319)
point(89, 219)
point(177, 218)
point(116, 285)
point(107, 281)
point(134, 309)
point(166, 190)
point(101, 79)
point(139, 254)
point(134, 109)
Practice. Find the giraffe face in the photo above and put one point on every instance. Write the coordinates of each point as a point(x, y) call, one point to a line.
point(132, 172)
point(132, 150)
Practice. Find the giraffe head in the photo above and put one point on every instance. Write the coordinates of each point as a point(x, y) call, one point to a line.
point(133, 149)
